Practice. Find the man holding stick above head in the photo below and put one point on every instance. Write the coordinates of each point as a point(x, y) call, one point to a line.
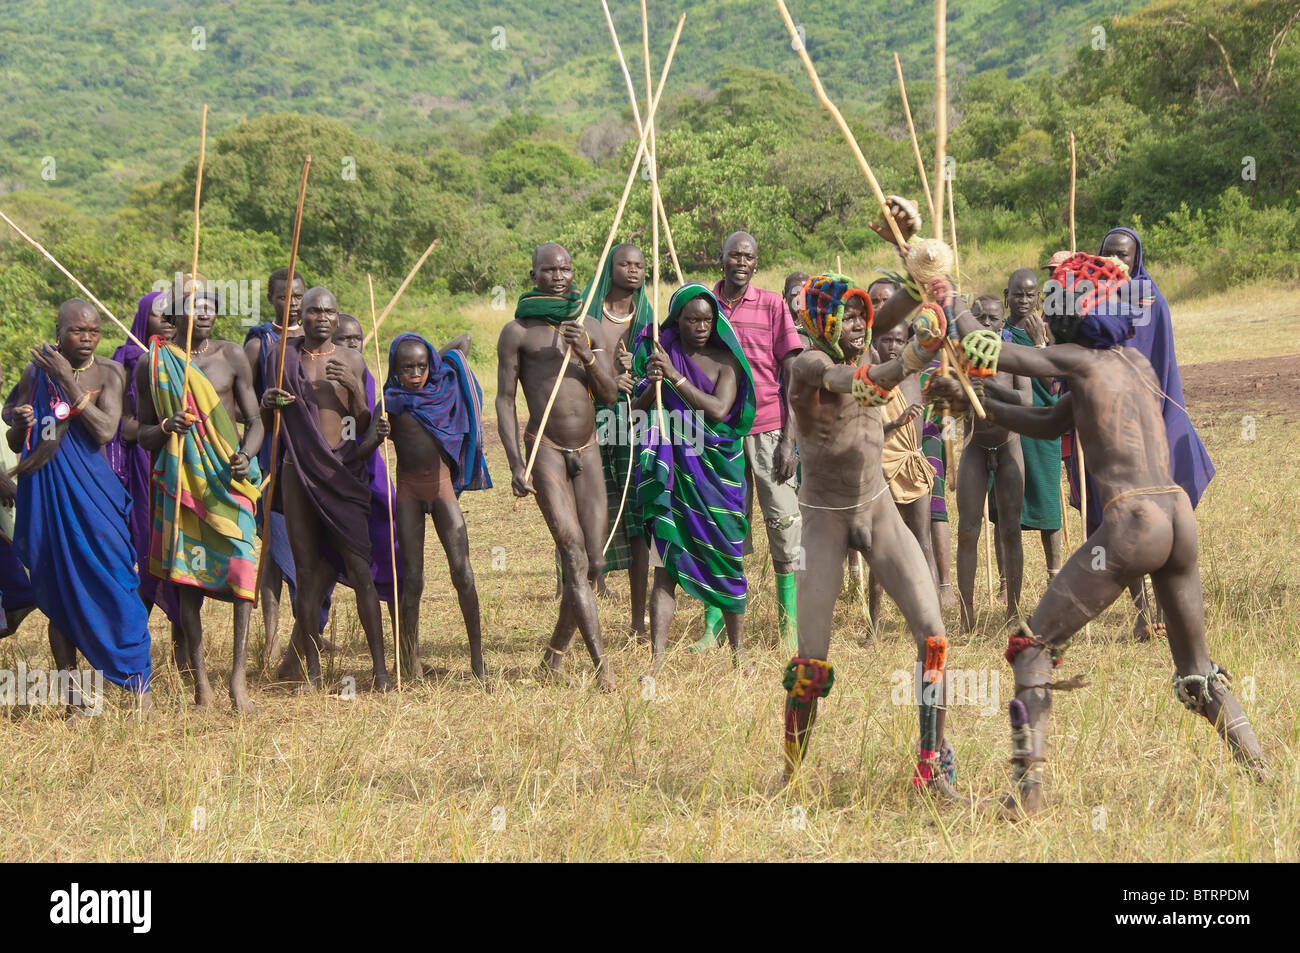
point(71, 530)
point(1146, 521)
point(837, 399)
point(210, 552)
point(437, 418)
point(323, 482)
point(567, 477)
point(762, 322)
point(623, 308)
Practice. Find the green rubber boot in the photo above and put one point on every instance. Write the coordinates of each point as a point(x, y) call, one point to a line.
point(714, 630)
point(786, 612)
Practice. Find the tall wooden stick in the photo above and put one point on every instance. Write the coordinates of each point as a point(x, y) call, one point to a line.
point(988, 551)
point(388, 479)
point(636, 117)
point(940, 109)
point(609, 242)
point(410, 275)
point(654, 218)
point(952, 225)
point(1073, 246)
point(911, 130)
point(177, 440)
point(268, 492)
point(1078, 444)
point(80, 287)
point(839, 121)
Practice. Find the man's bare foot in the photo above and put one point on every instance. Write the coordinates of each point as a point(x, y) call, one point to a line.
point(942, 790)
point(604, 681)
point(204, 695)
point(640, 636)
point(239, 699)
point(290, 668)
point(143, 705)
point(328, 647)
point(947, 598)
point(305, 688)
point(546, 672)
point(381, 683)
point(1022, 801)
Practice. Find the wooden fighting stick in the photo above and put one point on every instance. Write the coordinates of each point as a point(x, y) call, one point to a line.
point(80, 287)
point(388, 478)
point(609, 242)
point(940, 110)
point(375, 326)
point(636, 117)
point(1078, 444)
point(654, 219)
point(911, 131)
point(864, 166)
point(268, 491)
point(178, 440)
point(988, 525)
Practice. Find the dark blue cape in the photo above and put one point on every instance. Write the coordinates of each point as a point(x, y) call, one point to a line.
point(71, 534)
point(450, 407)
point(1153, 335)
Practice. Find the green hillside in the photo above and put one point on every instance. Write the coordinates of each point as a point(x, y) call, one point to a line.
point(110, 88)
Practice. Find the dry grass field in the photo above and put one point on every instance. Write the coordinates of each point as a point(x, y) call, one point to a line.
point(525, 770)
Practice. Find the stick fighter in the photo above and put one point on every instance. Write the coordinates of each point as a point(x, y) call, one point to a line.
point(1146, 523)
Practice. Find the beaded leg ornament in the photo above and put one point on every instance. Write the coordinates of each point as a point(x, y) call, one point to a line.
point(805, 681)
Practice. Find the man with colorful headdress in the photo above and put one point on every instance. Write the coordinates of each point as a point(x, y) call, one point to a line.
point(435, 406)
point(623, 308)
point(567, 475)
point(691, 476)
point(837, 399)
point(1153, 337)
point(1145, 523)
point(71, 525)
point(204, 476)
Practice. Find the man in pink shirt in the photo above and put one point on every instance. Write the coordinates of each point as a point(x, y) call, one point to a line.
point(767, 335)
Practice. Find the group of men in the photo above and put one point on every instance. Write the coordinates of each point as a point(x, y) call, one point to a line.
point(733, 398)
point(144, 479)
point(646, 439)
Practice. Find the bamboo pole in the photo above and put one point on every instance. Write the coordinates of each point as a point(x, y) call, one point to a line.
point(80, 287)
point(178, 440)
point(911, 130)
point(636, 117)
point(1078, 444)
point(388, 478)
point(268, 493)
point(600, 264)
point(843, 126)
point(940, 109)
point(654, 218)
point(374, 327)
point(1073, 245)
point(988, 551)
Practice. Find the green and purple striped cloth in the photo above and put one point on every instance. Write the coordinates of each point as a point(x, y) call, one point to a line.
point(693, 503)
